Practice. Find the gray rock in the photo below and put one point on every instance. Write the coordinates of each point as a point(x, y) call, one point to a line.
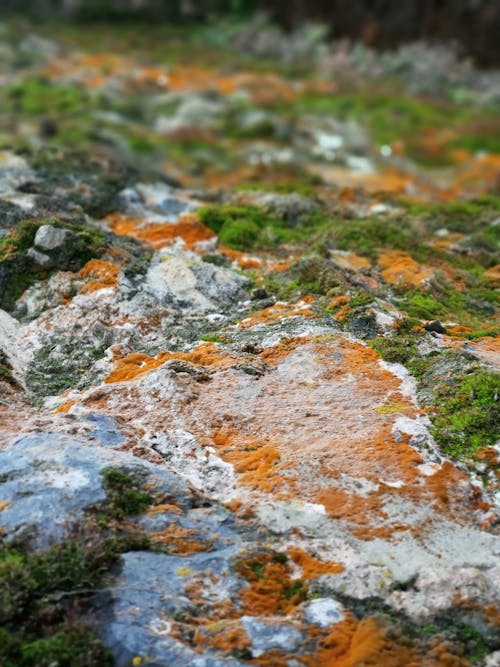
point(49, 479)
point(49, 238)
point(266, 635)
point(39, 260)
point(181, 280)
point(133, 614)
point(324, 612)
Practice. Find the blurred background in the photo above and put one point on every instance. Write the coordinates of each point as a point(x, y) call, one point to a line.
point(473, 24)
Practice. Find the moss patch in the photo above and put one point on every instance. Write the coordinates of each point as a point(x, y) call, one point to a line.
point(465, 417)
point(124, 496)
point(16, 271)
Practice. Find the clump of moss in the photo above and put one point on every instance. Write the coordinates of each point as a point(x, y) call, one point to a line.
point(246, 227)
point(45, 593)
point(465, 416)
point(236, 226)
point(16, 271)
point(5, 372)
point(38, 590)
point(37, 96)
point(123, 495)
point(395, 349)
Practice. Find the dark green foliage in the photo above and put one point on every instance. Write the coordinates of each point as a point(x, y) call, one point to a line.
point(246, 227)
point(124, 498)
point(35, 589)
point(43, 594)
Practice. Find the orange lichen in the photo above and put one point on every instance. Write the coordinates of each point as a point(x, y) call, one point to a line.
point(65, 407)
point(179, 540)
point(158, 235)
point(257, 462)
point(365, 643)
point(338, 301)
point(103, 274)
point(349, 260)
point(399, 267)
point(228, 636)
point(312, 567)
point(135, 364)
point(277, 312)
point(493, 274)
point(272, 590)
point(163, 507)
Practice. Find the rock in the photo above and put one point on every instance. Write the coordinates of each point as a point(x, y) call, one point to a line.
point(324, 612)
point(50, 239)
point(9, 345)
point(134, 616)
point(180, 279)
point(49, 479)
point(267, 635)
point(39, 260)
point(435, 326)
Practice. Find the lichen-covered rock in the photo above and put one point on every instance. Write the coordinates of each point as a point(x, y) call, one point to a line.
point(247, 407)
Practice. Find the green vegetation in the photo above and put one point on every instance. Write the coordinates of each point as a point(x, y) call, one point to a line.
point(17, 270)
point(239, 227)
point(43, 594)
point(396, 349)
point(391, 117)
point(123, 496)
point(38, 96)
point(38, 592)
point(465, 416)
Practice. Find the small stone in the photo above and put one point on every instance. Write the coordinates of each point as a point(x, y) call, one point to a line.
point(39, 259)
point(324, 612)
point(435, 326)
point(260, 293)
point(51, 238)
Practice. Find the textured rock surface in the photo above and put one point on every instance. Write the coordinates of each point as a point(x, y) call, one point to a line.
point(248, 372)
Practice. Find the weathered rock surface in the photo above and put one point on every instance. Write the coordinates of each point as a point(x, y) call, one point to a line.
point(248, 382)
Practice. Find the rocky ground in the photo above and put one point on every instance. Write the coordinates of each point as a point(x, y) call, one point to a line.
point(248, 353)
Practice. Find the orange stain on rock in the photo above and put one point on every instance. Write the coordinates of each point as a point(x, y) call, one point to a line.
point(271, 588)
point(399, 267)
point(312, 567)
point(131, 366)
point(65, 407)
point(352, 644)
point(277, 312)
point(349, 260)
point(158, 235)
point(180, 541)
point(102, 273)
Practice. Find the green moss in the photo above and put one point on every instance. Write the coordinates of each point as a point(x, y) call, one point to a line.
point(215, 338)
point(465, 418)
point(240, 234)
point(424, 306)
point(124, 498)
point(33, 582)
point(76, 647)
point(38, 96)
point(393, 117)
point(237, 226)
point(295, 589)
point(16, 272)
point(396, 348)
point(44, 594)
